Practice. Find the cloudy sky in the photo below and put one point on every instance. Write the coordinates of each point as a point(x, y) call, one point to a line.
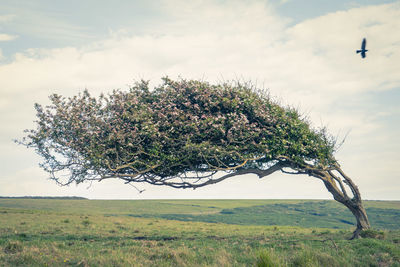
point(303, 52)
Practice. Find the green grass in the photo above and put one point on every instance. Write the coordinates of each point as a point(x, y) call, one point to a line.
point(104, 233)
point(305, 214)
point(138, 207)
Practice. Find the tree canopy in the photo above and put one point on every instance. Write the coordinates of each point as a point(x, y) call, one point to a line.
point(182, 134)
point(178, 128)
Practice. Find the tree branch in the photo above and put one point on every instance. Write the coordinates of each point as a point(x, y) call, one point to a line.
point(340, 183)
point(352, 185)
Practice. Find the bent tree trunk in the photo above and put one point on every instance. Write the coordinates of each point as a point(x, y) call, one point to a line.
point(335, 181)
point(361, 216)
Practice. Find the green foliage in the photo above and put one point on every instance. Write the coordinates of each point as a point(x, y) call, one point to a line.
point(372, 233)
point(13, 247)
point(268, 258)
point(86, 222)
point(310, 258)
point(179, 128)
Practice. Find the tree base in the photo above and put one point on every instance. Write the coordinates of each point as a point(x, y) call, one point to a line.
point(356, 234)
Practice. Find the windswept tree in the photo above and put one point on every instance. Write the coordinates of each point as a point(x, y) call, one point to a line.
point(185, 134)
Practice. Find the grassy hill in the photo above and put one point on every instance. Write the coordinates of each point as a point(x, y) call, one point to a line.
point(46, 232)
point(305, 214)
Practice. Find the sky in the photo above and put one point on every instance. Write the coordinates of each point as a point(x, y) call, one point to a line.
point(302, 51)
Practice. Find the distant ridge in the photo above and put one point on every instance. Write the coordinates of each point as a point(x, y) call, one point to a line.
point(44, 197)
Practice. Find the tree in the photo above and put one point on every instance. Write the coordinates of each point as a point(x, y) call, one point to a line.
point(185, 134)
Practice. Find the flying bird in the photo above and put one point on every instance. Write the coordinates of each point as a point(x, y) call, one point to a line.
point(363, 50)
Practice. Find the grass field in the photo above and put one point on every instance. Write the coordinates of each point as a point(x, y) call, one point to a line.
point(44, 232)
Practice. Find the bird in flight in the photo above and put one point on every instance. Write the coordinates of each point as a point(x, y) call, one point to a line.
point(363, 50)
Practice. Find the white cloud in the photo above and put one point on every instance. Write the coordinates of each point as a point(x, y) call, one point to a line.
point(312, 64)
point(335, 37)
point(3, 36)
point(7, 37)
point(6, 18)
